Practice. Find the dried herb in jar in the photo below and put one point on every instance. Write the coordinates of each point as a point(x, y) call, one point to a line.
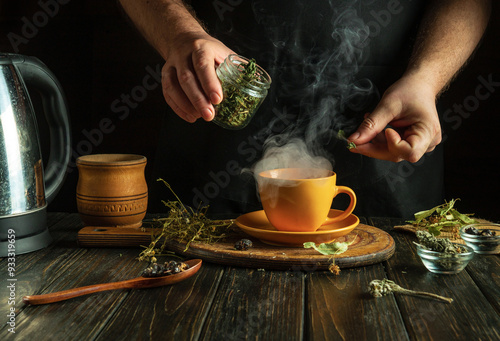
point(237, 105)
point(244, 86)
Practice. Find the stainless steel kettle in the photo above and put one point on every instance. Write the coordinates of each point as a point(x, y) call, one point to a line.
point(25, 186)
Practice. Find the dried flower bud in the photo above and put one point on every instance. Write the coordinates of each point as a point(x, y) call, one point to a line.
point(243, 244)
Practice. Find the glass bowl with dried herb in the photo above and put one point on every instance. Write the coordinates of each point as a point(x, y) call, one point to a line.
point(245, 85)
point(484, 238)
point(442, 256)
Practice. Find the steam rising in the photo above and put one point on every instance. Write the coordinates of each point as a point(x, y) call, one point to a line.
point(293, 154)
point(317, 82)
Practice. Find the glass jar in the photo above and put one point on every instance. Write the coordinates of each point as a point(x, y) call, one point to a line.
point(244, 86)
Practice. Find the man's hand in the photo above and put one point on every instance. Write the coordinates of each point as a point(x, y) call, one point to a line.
point(449, 33)
point(190, 84)
point(409, 108)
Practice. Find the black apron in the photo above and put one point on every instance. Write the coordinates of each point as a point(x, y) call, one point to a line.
point(327, 59)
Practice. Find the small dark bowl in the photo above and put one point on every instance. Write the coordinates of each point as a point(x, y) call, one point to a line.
point(482, 244)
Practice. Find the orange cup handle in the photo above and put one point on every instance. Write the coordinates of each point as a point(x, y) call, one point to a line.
point(350, 208)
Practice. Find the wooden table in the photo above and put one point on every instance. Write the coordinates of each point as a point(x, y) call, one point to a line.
point(226, 303)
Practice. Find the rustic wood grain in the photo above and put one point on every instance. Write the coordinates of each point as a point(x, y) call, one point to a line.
point(36, 270)
point(257, 305)
point(64, 320)
point(469, 317)
point(370, 245)
point(222, 302)
point(341, 308)
point(177, 312)
point(484, 270)
point(95, 236)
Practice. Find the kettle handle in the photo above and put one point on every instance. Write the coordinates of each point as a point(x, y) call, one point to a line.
point(35, 73)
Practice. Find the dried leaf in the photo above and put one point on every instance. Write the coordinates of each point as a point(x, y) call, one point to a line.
point(444, 215)
point(341, 135)
point(334, 248)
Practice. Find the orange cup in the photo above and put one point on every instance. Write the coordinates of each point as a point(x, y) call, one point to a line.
point(299, 199)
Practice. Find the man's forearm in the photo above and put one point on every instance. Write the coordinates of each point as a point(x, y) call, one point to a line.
point(160, 21)
point(449, 34)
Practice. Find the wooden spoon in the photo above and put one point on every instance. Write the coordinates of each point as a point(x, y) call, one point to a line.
point(135, 283)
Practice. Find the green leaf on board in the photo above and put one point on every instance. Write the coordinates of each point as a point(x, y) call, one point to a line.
point(334, 248)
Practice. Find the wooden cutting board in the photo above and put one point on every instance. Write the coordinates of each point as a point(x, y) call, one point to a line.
point(370, 245)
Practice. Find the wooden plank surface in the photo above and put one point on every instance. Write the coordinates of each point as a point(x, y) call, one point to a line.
point(37, 270)
point(469, 317)
point(177, 312)
point(484, 270)
point(64, 265)
point(257, 305)
point(341, 308)
point(82, 317)
point(227, 302)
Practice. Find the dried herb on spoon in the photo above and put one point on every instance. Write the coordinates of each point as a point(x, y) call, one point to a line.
point(168, 268)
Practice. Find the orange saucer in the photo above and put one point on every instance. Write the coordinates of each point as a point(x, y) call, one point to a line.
point(256, 225)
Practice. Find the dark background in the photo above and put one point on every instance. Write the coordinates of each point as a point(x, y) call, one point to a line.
point(101, 62)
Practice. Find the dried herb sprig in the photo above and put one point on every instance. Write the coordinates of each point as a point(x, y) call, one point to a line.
point(341, 135)
point(441, 216)
point(237, 105)
point(184, 225)
point(379, 288)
